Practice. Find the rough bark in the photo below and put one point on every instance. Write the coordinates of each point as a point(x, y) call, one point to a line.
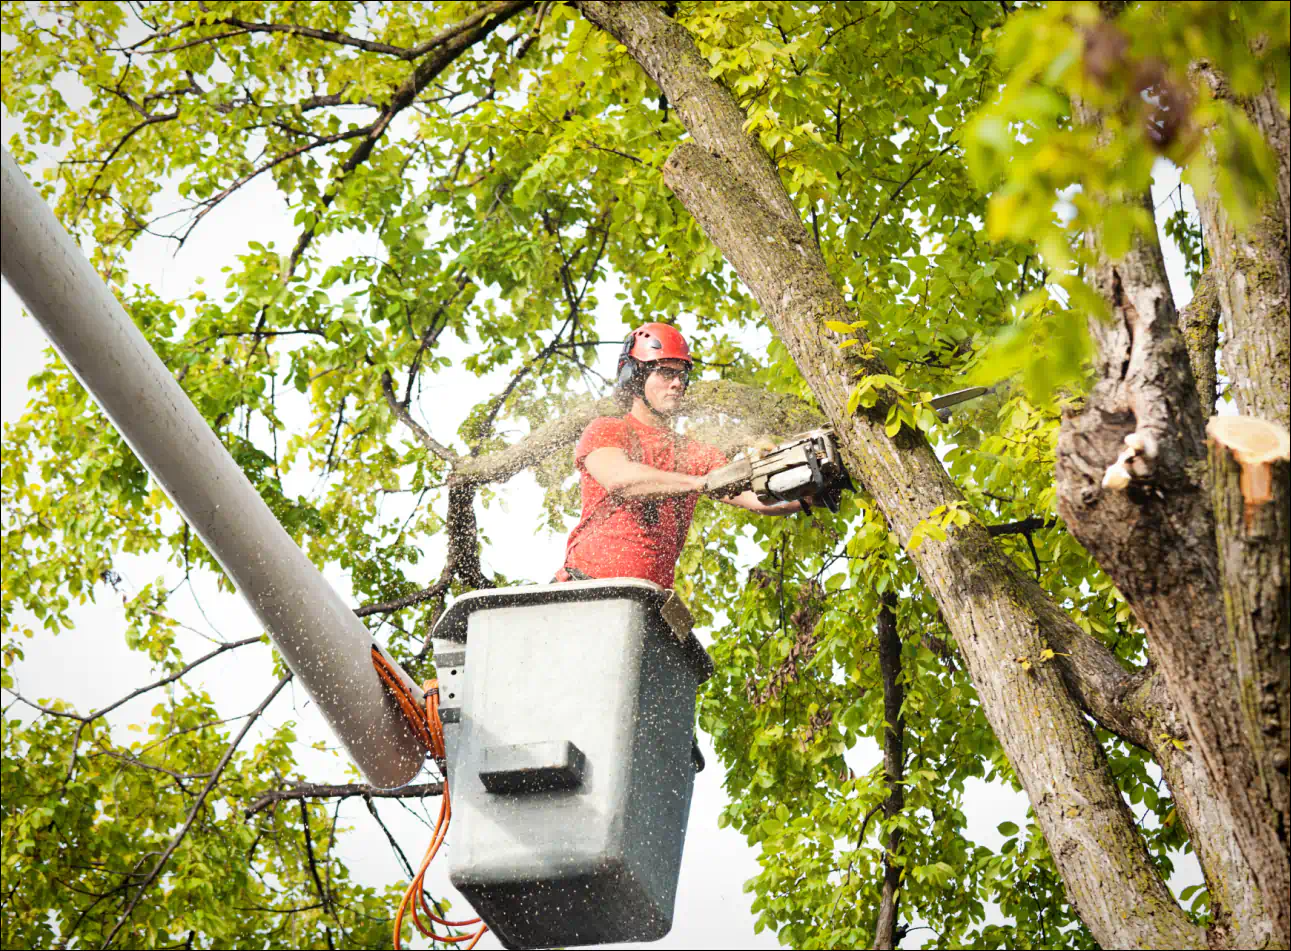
point(1240, 919)
point(995, 612)
point(885, 932)
point(1155, 536)
point(1252, 274)
point(1255, 292)
point(1256, 562)
point(1136, 706)
point(1199, 324)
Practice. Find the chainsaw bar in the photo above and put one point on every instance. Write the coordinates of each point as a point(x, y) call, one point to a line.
point(807, 466)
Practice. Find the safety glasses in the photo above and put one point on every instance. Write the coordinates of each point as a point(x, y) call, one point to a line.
point(674, 373)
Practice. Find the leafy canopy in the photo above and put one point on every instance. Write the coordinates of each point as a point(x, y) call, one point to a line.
point(924, 144)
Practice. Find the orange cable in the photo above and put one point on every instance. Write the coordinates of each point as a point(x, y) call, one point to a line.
point(429, 729)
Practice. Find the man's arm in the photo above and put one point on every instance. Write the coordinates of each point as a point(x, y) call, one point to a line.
point(621, 477)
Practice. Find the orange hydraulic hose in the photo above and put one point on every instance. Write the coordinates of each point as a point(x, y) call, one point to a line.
point(429, 728)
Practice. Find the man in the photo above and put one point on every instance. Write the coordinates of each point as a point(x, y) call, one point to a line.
point(641, 480)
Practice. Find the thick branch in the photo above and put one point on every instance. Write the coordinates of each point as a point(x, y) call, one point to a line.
point(463, 537)
point(553, 437)
point(436, 590)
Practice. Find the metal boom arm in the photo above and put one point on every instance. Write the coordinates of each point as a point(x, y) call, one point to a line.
point(323, 642)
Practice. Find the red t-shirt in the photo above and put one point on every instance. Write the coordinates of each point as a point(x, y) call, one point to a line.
point(635, 538)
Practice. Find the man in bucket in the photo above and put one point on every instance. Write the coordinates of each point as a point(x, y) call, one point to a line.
point(640, 479)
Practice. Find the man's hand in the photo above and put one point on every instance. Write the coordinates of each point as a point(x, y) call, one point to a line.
point(749, 500)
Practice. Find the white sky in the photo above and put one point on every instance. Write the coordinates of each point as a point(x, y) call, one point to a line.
point(91, 665)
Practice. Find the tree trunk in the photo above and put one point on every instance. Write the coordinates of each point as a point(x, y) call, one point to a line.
point(1199, 324)
point(885, 932)
point(1240, 915)
point(999, 617)
point(1255, 299)
point(1255, 557)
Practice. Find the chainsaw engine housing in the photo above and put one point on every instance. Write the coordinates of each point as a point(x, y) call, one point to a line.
point(806, 466)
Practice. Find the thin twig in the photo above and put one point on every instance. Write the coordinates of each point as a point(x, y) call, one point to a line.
point(209, 204)
point(394, 843)
point(1024, 527)
point(197, 807)
point(401, 413)
point(900, 188)
point(88, 718)
point(313, 864)
point(322, 791)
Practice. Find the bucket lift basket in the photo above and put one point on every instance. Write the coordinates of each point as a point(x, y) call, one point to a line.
point(568, 715)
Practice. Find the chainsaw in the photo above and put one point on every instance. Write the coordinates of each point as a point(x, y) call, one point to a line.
point(806, 468)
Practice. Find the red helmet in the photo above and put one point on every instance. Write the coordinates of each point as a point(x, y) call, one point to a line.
point(646, 344)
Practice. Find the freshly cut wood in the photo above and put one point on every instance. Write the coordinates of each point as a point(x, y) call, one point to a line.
point(1256, 444)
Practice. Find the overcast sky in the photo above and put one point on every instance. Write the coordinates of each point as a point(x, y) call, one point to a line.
point(91, 665)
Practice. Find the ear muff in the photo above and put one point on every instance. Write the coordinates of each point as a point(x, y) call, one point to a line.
point(627, 366)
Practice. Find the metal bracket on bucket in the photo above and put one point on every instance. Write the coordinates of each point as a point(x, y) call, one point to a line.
point(677, 615)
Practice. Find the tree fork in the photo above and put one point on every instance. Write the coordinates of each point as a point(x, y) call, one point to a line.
point(733, 190)
point(1155, 536)
point(1155, 539)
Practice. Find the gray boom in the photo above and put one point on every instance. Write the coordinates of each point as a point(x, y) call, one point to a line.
point(323, 642)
